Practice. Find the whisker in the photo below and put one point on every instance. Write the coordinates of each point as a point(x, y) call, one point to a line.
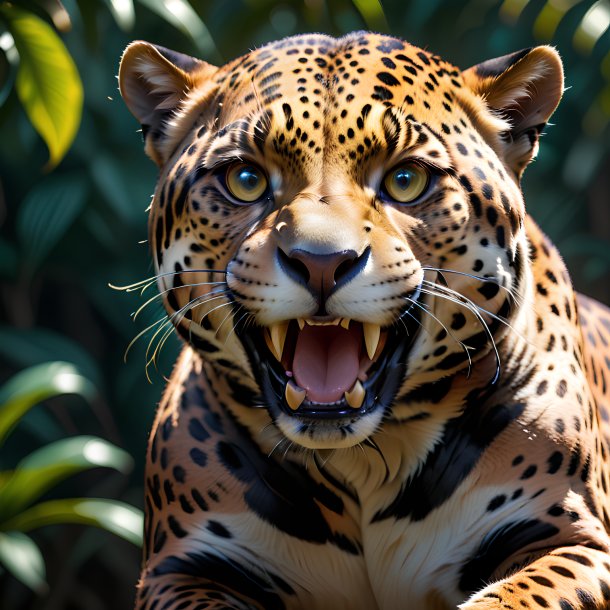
point(164, 292)
point(479, 278)
point(465, 302)
point(152, 279)
point(426, 310)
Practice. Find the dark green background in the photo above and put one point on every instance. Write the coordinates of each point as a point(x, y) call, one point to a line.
point(61, 308)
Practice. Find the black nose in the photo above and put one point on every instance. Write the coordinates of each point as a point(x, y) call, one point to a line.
point(322, 273)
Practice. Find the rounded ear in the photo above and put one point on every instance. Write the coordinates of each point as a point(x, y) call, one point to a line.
point(154, 83)
point(523, 89)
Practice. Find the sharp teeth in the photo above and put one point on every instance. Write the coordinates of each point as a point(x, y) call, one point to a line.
point(270, 344)
point(301, 323)
point(371, 338)
point(345, 323)
point(278, 337)
point(294, 395)
point(355, 397)
point(309, 322)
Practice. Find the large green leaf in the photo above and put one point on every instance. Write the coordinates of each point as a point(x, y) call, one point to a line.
point(23, 559)
point(37, 383)
point(48, 83)
point(47, 212)
point(44, 468)
point(116, 517)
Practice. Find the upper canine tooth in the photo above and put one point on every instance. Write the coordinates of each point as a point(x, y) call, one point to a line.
point(345, 323)
point(371, 337)
point(301, 323)
point(355, 397)
point(294, 395)
point(270, 345)
point(278, 337)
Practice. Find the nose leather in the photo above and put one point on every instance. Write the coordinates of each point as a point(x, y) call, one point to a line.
point(322, 270)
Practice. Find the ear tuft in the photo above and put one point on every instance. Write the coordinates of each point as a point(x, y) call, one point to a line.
point(524, 89)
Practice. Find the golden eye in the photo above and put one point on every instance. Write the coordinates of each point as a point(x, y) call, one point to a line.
point(406, 183)
point(246, 182)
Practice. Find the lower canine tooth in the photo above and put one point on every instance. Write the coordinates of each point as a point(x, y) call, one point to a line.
point(294, 395)
point(371, 338)
point(355, 397)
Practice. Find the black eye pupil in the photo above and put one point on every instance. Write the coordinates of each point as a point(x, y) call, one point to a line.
point(403, 178)
point(249, 178)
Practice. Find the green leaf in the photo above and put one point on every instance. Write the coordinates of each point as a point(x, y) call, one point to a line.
point(8, 258)
point(123, 13)
point(29, 387)
point(44, 468)
point(29, 346)
point(113, 516)
point(372, 13)
point(48, 83)
point(110, 180)
point(23, 559)
point(182, 16)
point(47, 212)
point(9, 62)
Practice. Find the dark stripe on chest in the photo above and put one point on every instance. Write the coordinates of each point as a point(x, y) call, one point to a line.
point(227, 573)
point(497, 546)
point(464, 440)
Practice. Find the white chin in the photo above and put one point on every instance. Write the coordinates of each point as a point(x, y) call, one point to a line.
point(329, 434)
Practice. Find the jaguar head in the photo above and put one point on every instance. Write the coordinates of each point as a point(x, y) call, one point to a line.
point(339, 221)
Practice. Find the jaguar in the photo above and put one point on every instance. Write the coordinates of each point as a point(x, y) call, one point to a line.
point(389, 394)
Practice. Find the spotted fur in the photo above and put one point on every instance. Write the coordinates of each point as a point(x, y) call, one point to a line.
point(476, 475)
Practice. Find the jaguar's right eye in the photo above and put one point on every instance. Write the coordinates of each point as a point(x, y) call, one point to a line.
point(246, 182)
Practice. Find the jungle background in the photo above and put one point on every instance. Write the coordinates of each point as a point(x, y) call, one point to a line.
point(74, 188)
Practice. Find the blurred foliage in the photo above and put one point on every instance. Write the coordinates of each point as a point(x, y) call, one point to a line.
point(73, 223)
point(37, 474)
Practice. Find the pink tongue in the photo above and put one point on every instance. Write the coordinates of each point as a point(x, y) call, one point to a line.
point(326, 361)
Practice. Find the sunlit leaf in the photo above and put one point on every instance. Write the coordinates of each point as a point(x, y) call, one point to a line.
point(123, 13)
point(48, 83)
point(372, 13)
point(23, 559)
point(44, 468)
point(29, 387)
point(58, 13)
point(593, 26)
point(183, 17)
point(47, 212)
point(116, 517)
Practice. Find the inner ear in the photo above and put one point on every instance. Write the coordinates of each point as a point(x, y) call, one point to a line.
point(154, 82)
point(528, 88)
point(523, 89)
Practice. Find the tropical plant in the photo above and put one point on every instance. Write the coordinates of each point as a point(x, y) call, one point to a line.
point(38, 473)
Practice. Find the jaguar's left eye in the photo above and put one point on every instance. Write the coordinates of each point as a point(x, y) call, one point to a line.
point(405, 183)
point(246, 182)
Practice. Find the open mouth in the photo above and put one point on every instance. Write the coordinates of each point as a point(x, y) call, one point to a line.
point(330, 368)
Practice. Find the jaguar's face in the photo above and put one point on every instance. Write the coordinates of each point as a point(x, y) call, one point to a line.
point(322, 209)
